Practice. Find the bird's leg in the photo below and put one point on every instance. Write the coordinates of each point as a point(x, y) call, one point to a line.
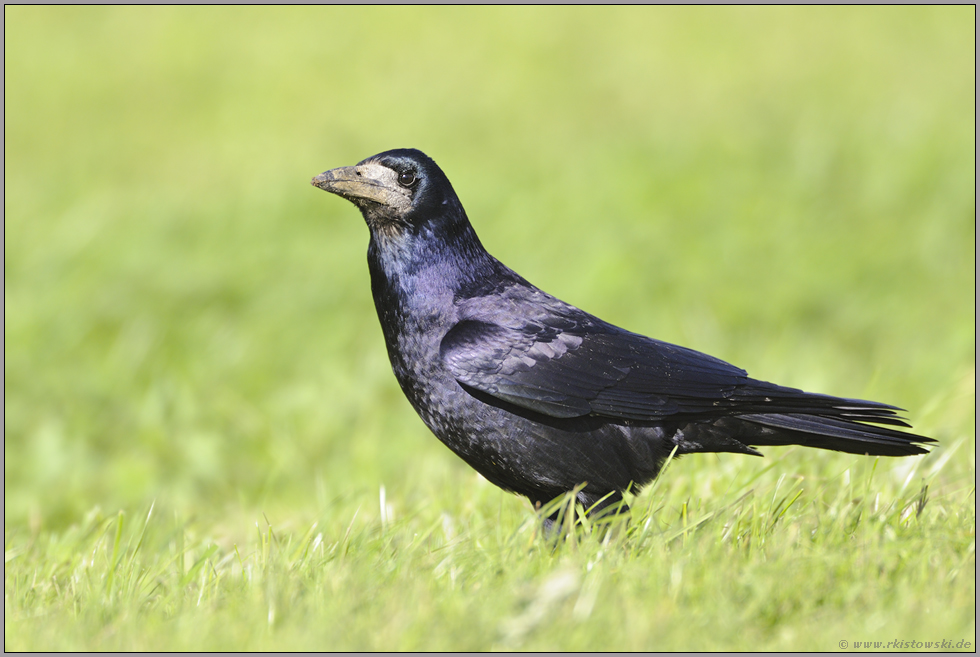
point(558, 515)
point(563, 513)
point(609, 506)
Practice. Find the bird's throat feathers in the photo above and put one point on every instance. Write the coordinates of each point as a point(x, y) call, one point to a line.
point(439, 255)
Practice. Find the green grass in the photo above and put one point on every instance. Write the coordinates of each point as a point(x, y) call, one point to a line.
point(188, 325)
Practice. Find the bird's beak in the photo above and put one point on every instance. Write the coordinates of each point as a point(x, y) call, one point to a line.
point(363, 182)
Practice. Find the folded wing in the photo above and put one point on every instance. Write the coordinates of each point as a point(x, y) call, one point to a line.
point(569, 367)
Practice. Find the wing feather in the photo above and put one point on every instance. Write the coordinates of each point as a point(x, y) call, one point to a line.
point(586, 368)
point(567, 367)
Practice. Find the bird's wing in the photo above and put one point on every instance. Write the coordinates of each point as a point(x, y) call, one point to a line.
point(568, 367)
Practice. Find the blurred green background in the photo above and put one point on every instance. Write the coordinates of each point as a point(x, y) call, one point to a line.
point(186, 320)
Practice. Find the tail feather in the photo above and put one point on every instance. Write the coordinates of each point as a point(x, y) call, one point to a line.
point(787, 416)
point(843, 434)
point(775, 415)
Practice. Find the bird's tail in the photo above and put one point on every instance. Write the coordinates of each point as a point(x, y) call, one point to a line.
point(836, 433)
point(844, 425)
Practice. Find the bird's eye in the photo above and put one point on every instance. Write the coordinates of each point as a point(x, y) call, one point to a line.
point(407, 179)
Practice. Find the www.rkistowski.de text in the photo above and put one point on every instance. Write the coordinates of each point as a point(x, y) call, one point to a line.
point(898, 644)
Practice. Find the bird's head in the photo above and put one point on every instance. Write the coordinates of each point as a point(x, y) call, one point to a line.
point(398, 192)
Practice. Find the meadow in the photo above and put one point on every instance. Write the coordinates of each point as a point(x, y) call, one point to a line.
point(205, 448)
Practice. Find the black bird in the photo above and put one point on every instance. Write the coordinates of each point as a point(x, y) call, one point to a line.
point(541, 397)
